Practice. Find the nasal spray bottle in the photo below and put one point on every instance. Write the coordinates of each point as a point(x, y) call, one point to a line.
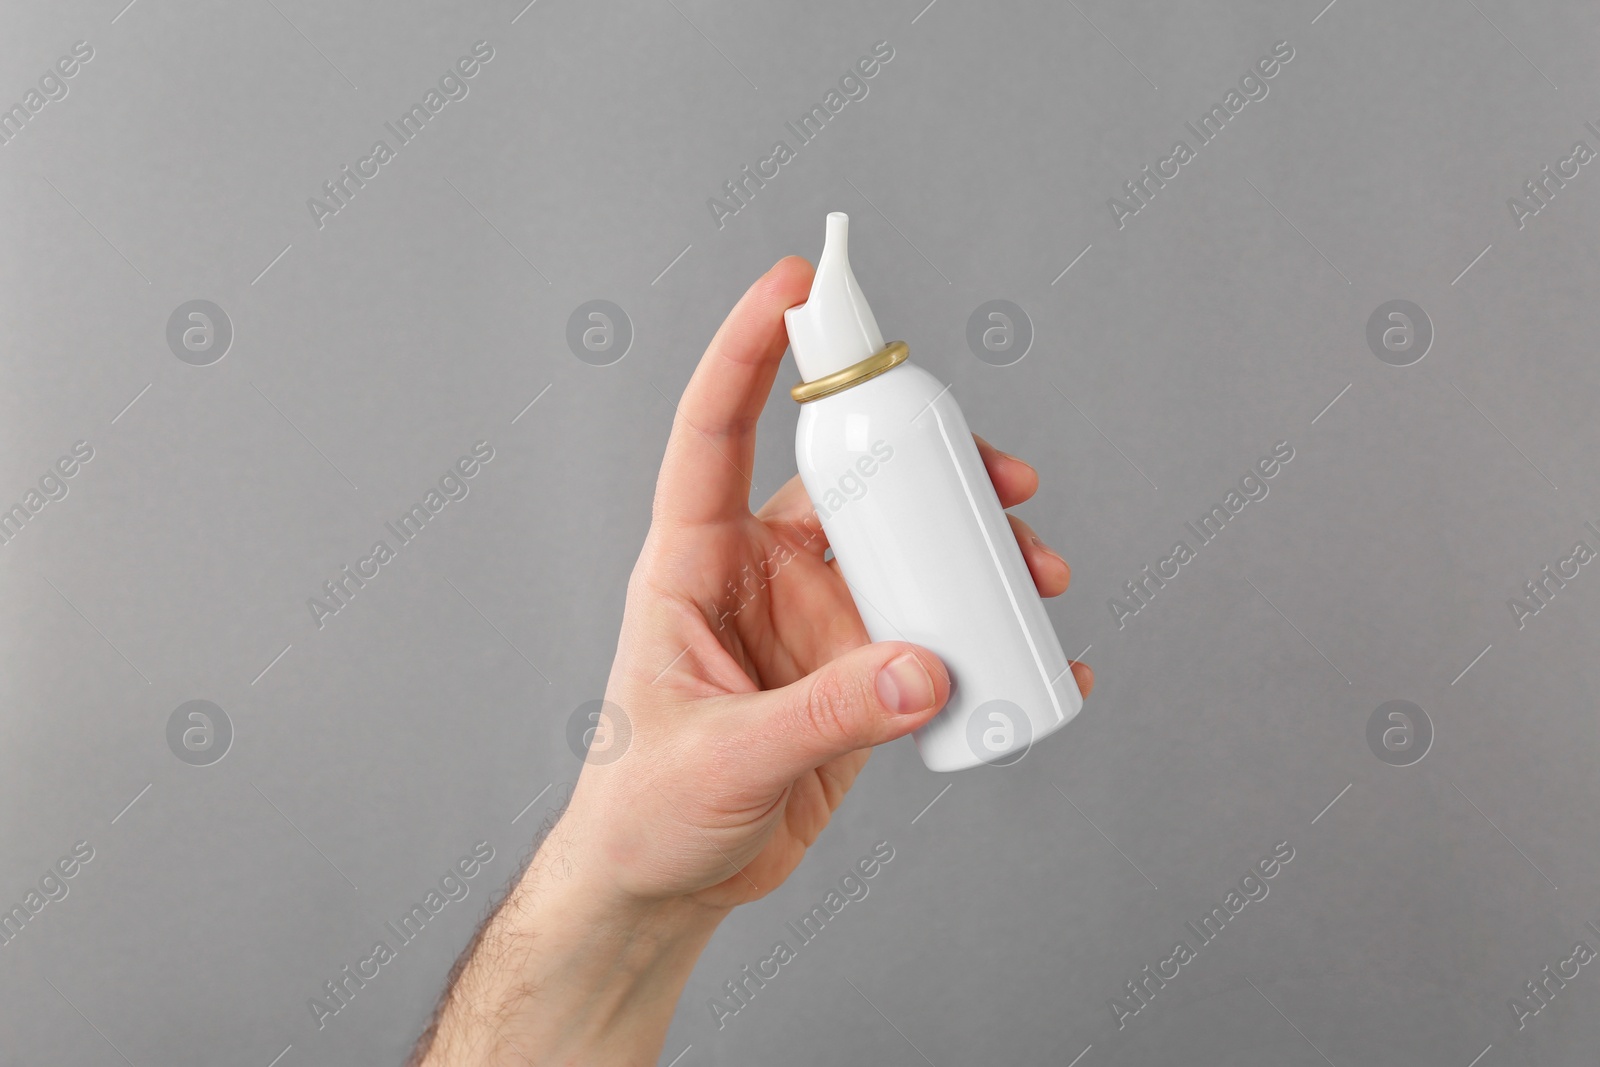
point(915, 524)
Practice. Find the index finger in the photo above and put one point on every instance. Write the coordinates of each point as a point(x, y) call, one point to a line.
point(706, 473)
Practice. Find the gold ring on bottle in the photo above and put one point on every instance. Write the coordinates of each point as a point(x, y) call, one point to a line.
point(886, 358)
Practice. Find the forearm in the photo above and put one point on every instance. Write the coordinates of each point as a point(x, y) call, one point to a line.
point(570, 970)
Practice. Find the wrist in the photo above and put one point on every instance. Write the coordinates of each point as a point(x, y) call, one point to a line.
point(581, 869)
point(575, 968)
point(568, 898)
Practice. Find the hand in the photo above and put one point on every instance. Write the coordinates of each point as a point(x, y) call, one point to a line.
point(743, 670)
point(749, 699)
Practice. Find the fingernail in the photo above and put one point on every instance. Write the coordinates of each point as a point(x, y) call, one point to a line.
point(905, 686)
point(1046, 548)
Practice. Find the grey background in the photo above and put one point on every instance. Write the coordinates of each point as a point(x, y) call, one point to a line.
point(423, 718)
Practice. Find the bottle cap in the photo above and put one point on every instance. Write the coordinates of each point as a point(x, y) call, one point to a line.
point(834, 328)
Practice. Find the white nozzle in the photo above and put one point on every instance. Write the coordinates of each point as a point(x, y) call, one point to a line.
point(834, 328)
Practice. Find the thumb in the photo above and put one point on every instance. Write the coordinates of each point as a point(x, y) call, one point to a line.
point(870, 695)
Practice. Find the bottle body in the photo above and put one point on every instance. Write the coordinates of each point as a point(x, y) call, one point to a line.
point(930, 557)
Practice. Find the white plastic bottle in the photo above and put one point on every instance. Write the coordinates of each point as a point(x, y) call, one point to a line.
point(915, 524)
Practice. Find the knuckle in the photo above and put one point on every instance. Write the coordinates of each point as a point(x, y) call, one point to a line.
point(830, 708)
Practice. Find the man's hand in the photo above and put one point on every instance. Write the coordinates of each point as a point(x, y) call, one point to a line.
point(743, 701)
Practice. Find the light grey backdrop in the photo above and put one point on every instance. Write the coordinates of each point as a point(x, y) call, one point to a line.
point(1167, 355)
